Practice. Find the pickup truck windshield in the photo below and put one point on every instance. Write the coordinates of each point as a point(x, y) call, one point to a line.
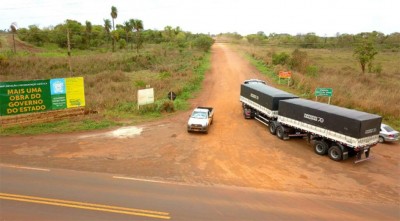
point(199, 115)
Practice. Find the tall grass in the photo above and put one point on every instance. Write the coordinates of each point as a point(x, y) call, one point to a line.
point(113, 79)
point(376, 93)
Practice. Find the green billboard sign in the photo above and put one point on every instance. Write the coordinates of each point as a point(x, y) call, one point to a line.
point(21, 97)
point(326, 92)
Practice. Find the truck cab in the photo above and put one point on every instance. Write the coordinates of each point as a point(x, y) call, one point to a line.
point(200, 119)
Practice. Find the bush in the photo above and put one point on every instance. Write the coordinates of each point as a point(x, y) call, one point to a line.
point(3, 61)
point(299, 60)
point(122, 43)
point(203, 42)
point(167, 106)
point(312, 71)
point(281, 58)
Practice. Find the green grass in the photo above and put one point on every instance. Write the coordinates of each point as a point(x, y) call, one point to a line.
point(58, 127)
point(374, 92)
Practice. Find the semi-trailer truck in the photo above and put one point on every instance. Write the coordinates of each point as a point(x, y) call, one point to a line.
point(336, 131)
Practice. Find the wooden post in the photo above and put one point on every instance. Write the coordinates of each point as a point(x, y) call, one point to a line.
point(15, 49)
point(69, 52)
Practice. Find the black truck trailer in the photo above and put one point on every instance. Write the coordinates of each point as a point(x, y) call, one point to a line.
point(336, 131)
point(261, 102)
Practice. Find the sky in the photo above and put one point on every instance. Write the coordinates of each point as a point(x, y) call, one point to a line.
point(323, 17)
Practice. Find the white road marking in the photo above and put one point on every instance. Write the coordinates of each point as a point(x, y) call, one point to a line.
point(151, 181)
point(23, 167)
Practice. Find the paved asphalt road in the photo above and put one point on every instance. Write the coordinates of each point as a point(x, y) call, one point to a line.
point(53, 194)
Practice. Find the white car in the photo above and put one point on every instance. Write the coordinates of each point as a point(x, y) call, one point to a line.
point(200, 119)
point(388, 134)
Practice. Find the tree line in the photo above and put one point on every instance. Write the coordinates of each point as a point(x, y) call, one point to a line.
point(128, 35)
point(311, 40)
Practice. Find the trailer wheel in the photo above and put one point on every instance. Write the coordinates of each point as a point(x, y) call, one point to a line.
point(272, 128)
point(335, 153)
point(280, 132)
point(320, 147)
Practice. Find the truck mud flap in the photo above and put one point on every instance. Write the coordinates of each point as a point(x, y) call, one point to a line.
point(360, 153)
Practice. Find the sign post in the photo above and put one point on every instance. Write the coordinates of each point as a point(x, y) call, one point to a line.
point(145, 96)
point(171, 95)
point(324, 92)
point(285, 74)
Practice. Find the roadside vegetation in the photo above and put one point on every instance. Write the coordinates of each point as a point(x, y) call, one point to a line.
point(116, 60)
point(363, 70)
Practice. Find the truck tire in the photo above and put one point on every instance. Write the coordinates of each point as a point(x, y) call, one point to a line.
point(272, 128)
point(335, 153)
point(280, 132)
point(320, 147)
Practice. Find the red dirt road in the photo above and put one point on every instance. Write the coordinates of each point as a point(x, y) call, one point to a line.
point(235, 152)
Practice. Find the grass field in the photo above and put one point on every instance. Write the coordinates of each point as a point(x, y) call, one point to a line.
point(375, 92)
point(111, 81)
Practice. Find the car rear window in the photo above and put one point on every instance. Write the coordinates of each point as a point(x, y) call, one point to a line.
point(388, 129)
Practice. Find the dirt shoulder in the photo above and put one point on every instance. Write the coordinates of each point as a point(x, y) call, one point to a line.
point(235, 152)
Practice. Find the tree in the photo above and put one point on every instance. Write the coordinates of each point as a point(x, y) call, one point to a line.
point(114, 14)
point(203, 42)
point(365, 54)
point(88, 31)
point(107, 28)
point(128, 28)
point(138, 26)
point(13, 28)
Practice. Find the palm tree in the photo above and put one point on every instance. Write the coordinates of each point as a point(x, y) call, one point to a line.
point(128, 28)
point(107, 27)
point(138, 26)
point(13, 28)
point(114, 14)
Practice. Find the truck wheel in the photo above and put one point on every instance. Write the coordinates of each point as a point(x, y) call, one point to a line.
point(320, 147)
point(272, 128)
point(335, 153)
point(280, 132)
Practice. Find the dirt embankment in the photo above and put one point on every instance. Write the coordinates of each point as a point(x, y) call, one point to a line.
point(236, 151)
point(19, 45)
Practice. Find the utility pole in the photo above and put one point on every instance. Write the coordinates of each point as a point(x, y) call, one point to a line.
point(69, 52)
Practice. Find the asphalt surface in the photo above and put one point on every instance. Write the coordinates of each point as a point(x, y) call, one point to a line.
point(56, 194)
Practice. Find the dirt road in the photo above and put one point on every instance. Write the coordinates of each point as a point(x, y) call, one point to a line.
point(235, 152)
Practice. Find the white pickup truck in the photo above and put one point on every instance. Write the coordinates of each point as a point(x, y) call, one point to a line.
point(200, 119)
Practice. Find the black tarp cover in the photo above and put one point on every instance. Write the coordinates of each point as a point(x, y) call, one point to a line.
point(345, 121)
point(264, 95)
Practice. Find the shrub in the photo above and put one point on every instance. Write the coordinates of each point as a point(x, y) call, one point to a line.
point(203, 42)
point(312, 71)
point(299, 60)
point(377, 69)
point(122, 43)
point(167, 106)
point(281, 58)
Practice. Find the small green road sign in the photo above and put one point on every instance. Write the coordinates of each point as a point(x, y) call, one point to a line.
point(326, 92)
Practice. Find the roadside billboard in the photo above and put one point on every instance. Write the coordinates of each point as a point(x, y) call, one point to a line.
point(21, 97)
